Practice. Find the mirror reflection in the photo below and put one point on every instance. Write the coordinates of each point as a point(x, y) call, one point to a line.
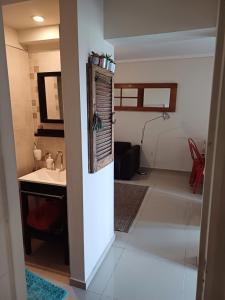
point(54, 97)
point(50, 97)
point(156, 97)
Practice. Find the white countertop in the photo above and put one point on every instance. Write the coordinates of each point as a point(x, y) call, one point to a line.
point(45, 176)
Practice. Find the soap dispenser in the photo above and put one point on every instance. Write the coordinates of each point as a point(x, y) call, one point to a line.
point(36, 152)
point(37, 156)
point(49, 162)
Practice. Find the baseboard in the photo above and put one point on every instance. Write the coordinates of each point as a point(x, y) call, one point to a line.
point(78, 283)
point(159, 169)
point(84, 285)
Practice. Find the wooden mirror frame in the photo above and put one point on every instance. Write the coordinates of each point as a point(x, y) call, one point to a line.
point(42, 96)
point(140, 97)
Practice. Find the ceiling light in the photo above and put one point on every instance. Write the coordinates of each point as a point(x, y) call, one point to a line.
point(38, 19)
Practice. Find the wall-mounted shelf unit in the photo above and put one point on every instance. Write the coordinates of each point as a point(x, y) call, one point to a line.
point(50, 132)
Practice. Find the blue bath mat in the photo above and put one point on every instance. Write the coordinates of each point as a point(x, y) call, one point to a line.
point(40, 289)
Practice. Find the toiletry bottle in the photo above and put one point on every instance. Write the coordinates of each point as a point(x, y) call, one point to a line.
point(37, 152)
point(49, 162)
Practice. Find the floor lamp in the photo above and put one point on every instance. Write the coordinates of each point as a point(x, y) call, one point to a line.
point(164, 116)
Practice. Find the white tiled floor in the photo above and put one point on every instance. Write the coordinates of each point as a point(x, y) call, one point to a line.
point(156, 259)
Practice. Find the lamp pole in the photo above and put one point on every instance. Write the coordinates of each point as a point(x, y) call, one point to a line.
point(165, 116)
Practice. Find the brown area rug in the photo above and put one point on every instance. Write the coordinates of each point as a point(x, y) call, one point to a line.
point(128, 199)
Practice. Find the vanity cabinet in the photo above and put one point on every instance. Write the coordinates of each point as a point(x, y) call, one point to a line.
point(50, 193)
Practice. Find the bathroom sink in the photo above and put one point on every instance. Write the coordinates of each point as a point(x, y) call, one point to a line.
point(45, 176)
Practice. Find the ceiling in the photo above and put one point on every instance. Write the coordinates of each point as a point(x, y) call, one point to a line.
point(156, 46)
point(193, 43)
point(19, 16)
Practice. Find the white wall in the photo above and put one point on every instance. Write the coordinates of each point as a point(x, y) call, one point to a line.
point(98, 190)
point(19, 83)
point(11, 38)
point(144, 17)
point(90, 197)
point(71, 105)
point(165, 144)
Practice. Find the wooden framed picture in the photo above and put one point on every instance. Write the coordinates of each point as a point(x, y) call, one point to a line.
point(155, 97)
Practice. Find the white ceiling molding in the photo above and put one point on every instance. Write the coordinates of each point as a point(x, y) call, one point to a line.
point(166, 37)
point(195, 43)
point(165, 58)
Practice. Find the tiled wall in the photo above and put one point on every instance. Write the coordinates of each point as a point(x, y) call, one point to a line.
point(18, 70)
point(23, 67)
point(44, 61)
point(50, 145)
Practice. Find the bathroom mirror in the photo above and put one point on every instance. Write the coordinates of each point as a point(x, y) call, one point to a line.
point(50, 97)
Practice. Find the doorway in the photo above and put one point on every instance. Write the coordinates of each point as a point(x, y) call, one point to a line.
point(33, 58)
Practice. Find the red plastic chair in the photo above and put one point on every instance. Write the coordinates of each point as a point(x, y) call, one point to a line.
point(197, 173)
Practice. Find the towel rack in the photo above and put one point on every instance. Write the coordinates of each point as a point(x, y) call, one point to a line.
point(61, 197)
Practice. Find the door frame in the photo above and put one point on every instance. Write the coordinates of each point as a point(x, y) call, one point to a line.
point(211, 272)
point(73, 142)
point(9, 190)
point(212, 247)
